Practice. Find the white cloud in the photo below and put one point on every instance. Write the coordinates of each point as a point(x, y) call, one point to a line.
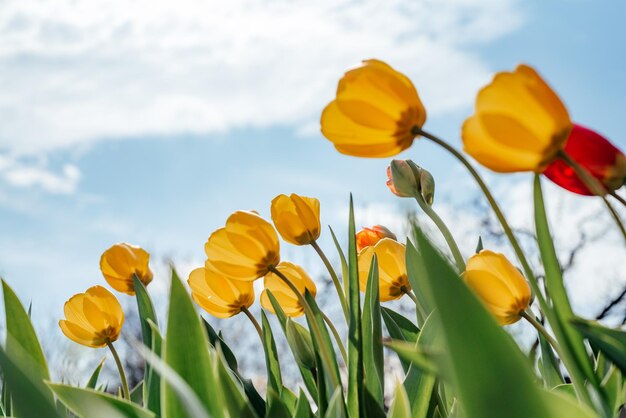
point(20, 174)
point(79, 71)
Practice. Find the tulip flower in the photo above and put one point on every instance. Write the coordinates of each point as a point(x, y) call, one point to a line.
point(499, 285)
point(519, 124)
point(407, 179)
point(93, 318)
point(392, 275)
point(297, 218)
point(244, 249)
point(281, 291)
point(120, 263)
point(375, 112)
point(218, 295)
point(367, 237)
point(596, 154)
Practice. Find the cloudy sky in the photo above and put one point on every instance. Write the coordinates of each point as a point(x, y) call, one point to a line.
point(150, 121)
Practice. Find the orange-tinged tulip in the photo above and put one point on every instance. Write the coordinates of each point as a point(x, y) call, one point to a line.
point(499, 285)
point(244, 249)
point(374, 113)
point(297, 218)
point(92, 318)
point(367, 237)
point(519, 124)
point(281, 291)
point(392, 277)
point(121, 262)
point(218, 295)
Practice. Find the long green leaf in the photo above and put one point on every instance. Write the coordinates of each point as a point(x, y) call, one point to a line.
point(152, 386)
point(574, 355)
point(400, 328)
point(373, 360)
point(488, 371)
point(233, 401)
point(88, 403)
point(306, 373)
point(186, 353)
point(355, 360)
point(274, 377)
point(610, 342)
point(93, 379)
point(303, 408)
point(30, 397)
point(400, 407)
point(344, 262)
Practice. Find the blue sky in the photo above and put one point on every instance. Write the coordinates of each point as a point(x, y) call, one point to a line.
point(115, 129)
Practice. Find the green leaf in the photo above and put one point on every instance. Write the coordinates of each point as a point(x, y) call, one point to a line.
point(549, 365)
point(563, 405)
point(30, 397)
point(344, 263)
point(489, 373)
point(20, 332)
point(355, 352)
point(274, 378)
point(186, 353)
point(400, 328)
point(479, 246)
point(147, 314)
point(610, 342)
point(233, 400)
point(215, 339)
point(373, 360)
point(277, 407)
point(335, 405)
point(303, 408)
point(574, 354)
point(419, 382)
point(136, 394)
point(400, 407)
point(415, 270)
point(93, 380)
point(88, 403)
point(306, 373)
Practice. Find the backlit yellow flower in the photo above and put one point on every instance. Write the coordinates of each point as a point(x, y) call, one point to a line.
point(244, 249)
point(374, 112)
point(92, 318)
point(499, 285)
point(367, 237)
point(218, 295)
point(297, 218)
point(519, 124)
point(121, 262)
point(281, 291)
point(392, 277)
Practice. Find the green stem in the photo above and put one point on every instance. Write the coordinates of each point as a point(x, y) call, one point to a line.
point(456, 253)
point(120, 369)
point(595, 187)
point(334, 277)
point(342, 349)
point(496, 209)
point(309, 313)
point(254, 322)
point(528, 316)
point(618, 197)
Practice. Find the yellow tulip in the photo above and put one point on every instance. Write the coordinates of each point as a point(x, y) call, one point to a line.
point(121, 262)
point(244, 249)
point(499, 285)
point(374, 113)
point(519, 124)
point(392, 277)
point(367, 237)
point(281, 291)
point(297, 218)
point(93, 318)
point(218, 295)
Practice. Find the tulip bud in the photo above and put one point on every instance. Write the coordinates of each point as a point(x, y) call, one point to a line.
point(299, 340)
point(407, 179)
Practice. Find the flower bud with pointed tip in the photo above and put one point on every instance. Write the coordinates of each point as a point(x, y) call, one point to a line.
point(299, 340)
point(407, 179)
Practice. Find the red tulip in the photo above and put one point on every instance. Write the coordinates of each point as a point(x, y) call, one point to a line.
point(595, 153)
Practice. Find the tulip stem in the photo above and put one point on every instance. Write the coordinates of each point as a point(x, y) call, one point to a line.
point(618, 197)
point(120, 369)
point(447, 235)
point(334, 277)
point(259, 330)
point(310, 319)
point(496, 209)
point(342, 349)
point(594, 186)
point(409, 294)
point(530, 317)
